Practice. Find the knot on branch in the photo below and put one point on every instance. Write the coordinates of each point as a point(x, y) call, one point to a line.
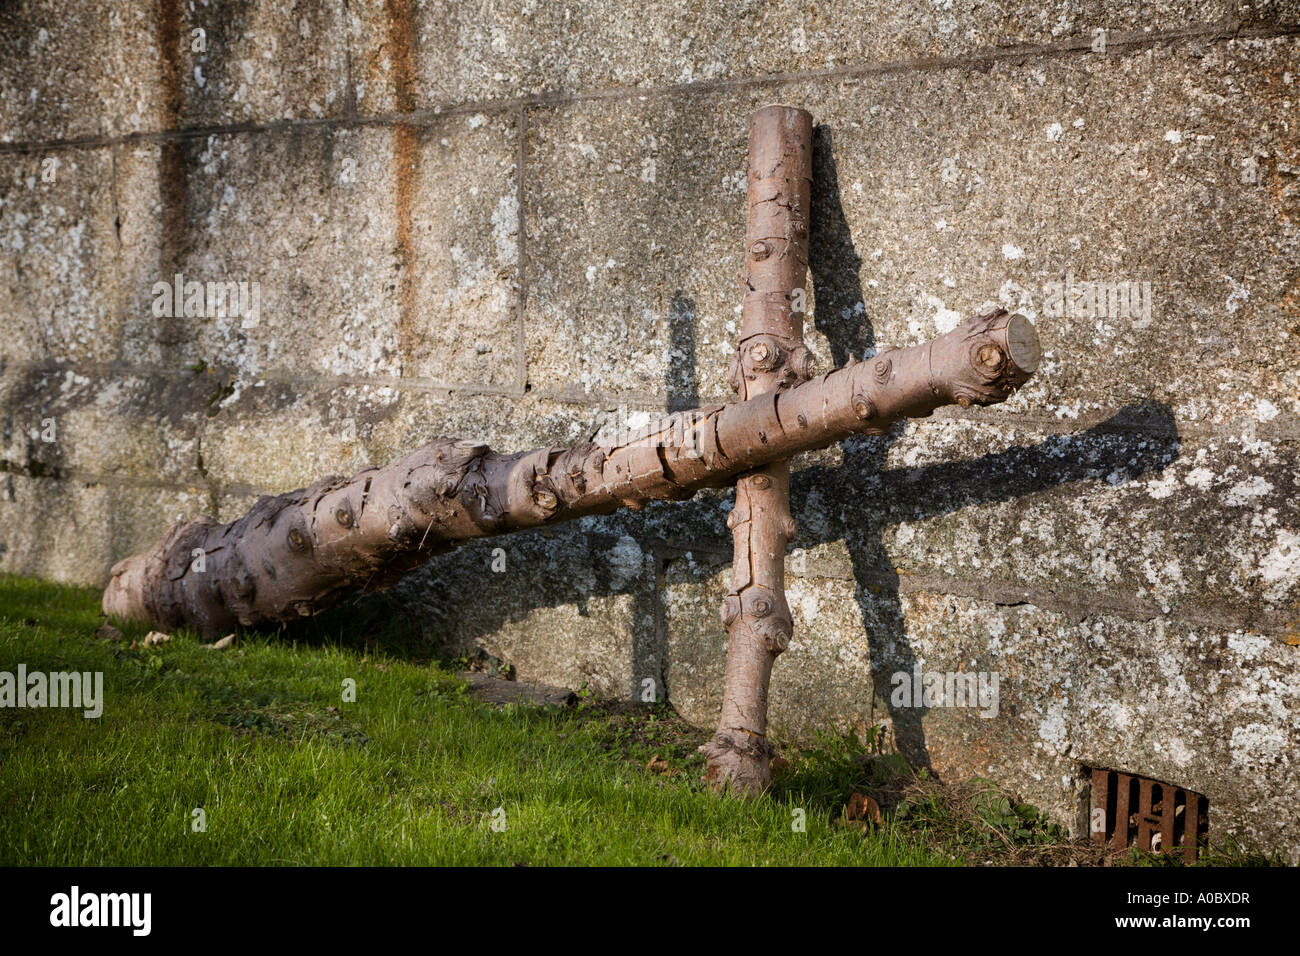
point(774, 632)
point(991, 355)
point(764, 612)
point(439, 470)
point(770, 362)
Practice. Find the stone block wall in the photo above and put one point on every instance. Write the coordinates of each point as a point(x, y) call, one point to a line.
point(522, 222)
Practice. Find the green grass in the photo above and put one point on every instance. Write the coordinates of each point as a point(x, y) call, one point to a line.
point(411, 773)
point(416, 769)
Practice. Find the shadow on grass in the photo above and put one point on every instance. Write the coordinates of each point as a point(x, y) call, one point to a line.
point(370, 623)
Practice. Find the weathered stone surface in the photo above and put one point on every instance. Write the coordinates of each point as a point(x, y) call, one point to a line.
point(59, 274)
point(463, 208)
point(934, 192)
point(69, 71)
point(300, 212)
point(1199, 527)
point(74, 531)
point(397, 248)
point(1206, 709)
point(481, 50)
point(208, 427)
point(564, 607)
point(280, 436)
point(630, 289)
point(62, 421)
point(255, 62)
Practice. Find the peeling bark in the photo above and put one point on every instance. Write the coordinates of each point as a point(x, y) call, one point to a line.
point(303, 551)
point(771, 356)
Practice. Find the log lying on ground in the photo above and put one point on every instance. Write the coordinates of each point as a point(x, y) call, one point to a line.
point(301, 552)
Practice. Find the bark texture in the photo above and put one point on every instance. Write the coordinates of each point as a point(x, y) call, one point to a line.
point(306, 550)
point(771, 357)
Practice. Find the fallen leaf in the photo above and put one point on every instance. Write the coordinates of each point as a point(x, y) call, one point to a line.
point(154, 638)
point(862, 807)
point(222, 644)
point(658, 764)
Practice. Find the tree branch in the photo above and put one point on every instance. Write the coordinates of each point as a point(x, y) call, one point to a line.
point(771, 357)
point(303, 551)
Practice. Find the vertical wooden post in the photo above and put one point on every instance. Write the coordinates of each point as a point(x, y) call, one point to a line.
point(771, 356)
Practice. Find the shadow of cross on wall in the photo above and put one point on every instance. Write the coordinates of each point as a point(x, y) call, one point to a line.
point(1137, 439)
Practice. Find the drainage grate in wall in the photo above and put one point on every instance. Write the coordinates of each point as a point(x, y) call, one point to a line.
point(1127, 810)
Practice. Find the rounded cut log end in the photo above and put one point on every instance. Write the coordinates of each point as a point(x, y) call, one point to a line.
point(1023, 347)
point(782, 112)
point(124, 596)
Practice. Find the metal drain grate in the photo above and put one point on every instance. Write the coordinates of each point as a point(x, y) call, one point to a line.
point(1127, 810)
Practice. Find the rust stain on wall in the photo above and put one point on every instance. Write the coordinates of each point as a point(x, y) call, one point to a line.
point(172, 181)
point(406, 158)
